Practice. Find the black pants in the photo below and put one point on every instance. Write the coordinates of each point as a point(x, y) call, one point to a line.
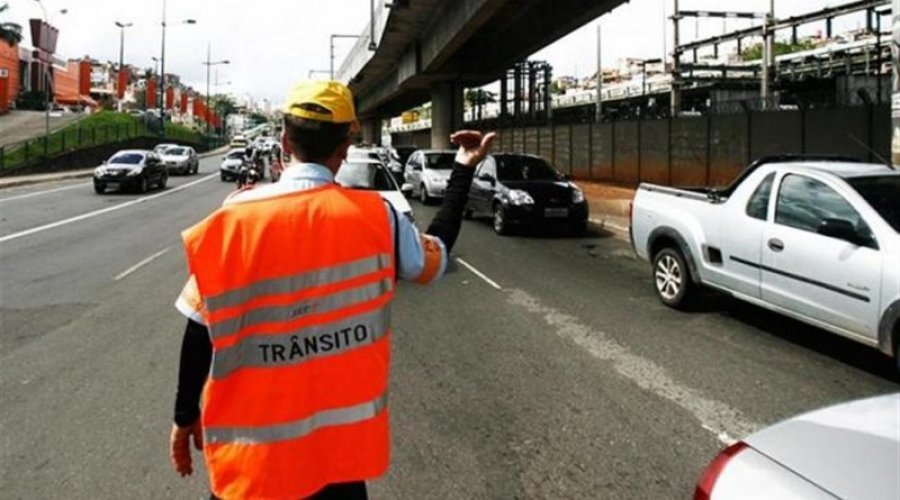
point(340, 491)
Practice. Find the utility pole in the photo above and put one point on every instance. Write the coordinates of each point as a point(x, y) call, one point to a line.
point(768, 55)
point(209, 64)
point(331, 51)
point(676, 59)
point(122, 27)
point(599, 116)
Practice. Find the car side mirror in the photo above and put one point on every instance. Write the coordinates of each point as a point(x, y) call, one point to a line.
point(842, 230)
point(488, 178)
point(407, 189)
point(564, 177)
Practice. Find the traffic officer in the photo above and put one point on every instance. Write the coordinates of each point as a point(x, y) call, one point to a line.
point(288, 307)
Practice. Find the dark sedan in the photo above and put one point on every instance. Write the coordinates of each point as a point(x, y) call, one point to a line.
point(525, 191)
point(132, 169)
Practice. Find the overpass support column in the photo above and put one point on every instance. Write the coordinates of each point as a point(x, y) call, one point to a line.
point(446, 113)
point(371, 131)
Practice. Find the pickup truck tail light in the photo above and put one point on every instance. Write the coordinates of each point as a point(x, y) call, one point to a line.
point(714, 470)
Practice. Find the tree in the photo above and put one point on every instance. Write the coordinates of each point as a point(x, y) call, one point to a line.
point(476, 97)
point(11, 33)
point(755, 52)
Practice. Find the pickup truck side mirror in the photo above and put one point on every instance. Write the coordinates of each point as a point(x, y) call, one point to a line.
point(843, 230)
point(488, 178)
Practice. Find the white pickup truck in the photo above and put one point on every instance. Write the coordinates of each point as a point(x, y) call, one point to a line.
point(817, 239)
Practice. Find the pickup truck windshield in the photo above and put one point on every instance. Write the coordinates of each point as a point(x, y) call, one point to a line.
point(524, 168)
point(883, 193)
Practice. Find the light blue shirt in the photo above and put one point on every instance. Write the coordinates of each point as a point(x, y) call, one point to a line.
point(410, 248)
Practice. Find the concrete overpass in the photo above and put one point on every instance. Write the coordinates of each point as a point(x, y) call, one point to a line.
point(430, 50)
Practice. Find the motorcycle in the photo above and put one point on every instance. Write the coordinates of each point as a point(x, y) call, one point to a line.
point(250, 173)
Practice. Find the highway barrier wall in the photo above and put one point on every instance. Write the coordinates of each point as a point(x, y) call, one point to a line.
point(705, 150)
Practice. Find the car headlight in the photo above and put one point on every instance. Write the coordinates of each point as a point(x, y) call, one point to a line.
point(135, 172)
point(577, 194)
point(518, 197)
point(99, 171)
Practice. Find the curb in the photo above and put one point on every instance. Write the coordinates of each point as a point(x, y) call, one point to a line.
point(618, 231)
point(76, 174)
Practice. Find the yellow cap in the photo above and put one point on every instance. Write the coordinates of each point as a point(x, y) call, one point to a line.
point(324, 101)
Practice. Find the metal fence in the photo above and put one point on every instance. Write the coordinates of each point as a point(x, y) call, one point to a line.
point(25, 154)
point(696, 150)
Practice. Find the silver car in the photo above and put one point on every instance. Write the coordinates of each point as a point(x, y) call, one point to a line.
point(428, 171)
point(848, 451)
point(181, 160)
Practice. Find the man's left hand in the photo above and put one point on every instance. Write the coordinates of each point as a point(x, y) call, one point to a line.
point(180, 446)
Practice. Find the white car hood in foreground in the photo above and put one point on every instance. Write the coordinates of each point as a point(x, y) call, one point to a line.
point(851, 450)
point(397, 200)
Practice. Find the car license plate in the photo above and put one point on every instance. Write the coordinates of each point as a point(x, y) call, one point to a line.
point(112, 185)
point(556, 212)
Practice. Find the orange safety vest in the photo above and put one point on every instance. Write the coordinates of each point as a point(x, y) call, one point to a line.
point(297, 292)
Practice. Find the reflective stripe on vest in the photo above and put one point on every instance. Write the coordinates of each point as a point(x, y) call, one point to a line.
point(300, 281)
point(304, 344)
point(298, 428)
point(297, 291)
point(300, 308)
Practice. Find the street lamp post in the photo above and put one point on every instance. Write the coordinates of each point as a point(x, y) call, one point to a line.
point(47, 82)
point(331, 70)
point(122, 27)
point(209, 63)
point(162, 72)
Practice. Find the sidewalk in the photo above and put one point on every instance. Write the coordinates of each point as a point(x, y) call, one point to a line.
point(25, 180)
point(609, 205)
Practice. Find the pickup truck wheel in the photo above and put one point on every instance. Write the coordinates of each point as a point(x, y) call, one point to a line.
point(897, 351)
point(672, 278)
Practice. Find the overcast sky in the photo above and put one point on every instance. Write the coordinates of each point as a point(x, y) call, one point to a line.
point(273, 43)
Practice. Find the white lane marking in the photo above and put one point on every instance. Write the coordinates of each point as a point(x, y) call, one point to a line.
point(141, 264)
point(95, 213)
point(480, 274)
point(722, 420)
point(39, 193)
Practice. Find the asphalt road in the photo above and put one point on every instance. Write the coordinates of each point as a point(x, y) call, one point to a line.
point(539, 367)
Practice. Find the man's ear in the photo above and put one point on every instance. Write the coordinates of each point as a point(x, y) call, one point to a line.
point(285, 146)
point(345, 148)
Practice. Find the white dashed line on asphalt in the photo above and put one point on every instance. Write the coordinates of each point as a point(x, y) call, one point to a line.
point(49, 191)
point(141, 264)
point(95, 213)
point(480, 274)
point(717, 417)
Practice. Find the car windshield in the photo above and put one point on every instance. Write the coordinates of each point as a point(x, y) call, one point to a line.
point(883, 193)
point(524, 168)
point(440, 161)
point(368, 176)
point(176, 151)
point(236, 155)
point(127, 159)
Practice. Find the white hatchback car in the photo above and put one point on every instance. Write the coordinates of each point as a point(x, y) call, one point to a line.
point(372, 175)
point(848, 451)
